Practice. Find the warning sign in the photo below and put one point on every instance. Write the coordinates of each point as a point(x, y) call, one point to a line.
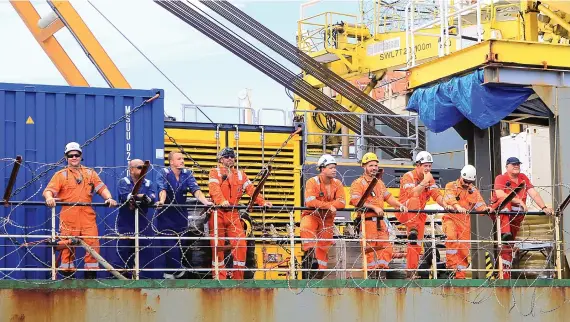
point(29, 120)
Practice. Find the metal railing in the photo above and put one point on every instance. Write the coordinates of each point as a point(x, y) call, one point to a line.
point(410, 142)
point(317, 33)
point(290, 241)
point(445, 14)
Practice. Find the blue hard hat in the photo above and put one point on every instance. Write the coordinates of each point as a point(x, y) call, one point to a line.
point(513, 160)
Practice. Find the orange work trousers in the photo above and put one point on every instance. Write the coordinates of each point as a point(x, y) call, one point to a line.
point(509, 224)
point(78, 221)
point(415, 221)
point(315, 226)
point(375, 228)
point(229, 225)
point(457, 252)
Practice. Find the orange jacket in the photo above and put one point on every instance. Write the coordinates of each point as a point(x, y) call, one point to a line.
point(409, 181)
point(318, 196)
point(76, 185)
point(224, 186)
point(377, 196)
point(467, 198)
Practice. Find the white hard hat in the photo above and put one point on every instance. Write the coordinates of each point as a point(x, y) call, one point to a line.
point(72, 146)
point(469, 173)
point(325, 160)
point(424, 157)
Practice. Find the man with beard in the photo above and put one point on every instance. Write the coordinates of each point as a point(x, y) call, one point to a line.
point(227, 185)
point(375, 225)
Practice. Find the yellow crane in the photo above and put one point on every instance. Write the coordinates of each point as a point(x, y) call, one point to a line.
point(355, 51)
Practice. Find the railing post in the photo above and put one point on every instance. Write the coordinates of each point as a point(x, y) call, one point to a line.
point(53, 263)
point(478, 20)
point(433, 255)
point(363, 241)
point(215, 257)
point(557, 251)
point(137, 245)
point(499, 242)
point(292, 239)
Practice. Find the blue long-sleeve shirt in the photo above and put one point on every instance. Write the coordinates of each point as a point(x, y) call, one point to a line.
point(126, 218)
point(173, 217)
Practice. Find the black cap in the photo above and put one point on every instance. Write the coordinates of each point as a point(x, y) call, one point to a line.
point(513, 160)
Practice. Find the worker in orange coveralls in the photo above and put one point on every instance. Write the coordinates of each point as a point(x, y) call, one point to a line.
point(464, 197)
point(326, 193)
point(227, 185)
point(416, 188)
point(77, 184)
point(510, 225)
point(375, 226)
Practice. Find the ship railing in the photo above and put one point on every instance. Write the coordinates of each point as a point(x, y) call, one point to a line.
point(290, 241)
point(336, 139)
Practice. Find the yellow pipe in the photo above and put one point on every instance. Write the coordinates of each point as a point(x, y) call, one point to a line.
point(554, 17)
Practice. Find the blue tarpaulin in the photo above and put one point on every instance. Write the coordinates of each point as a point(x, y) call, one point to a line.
point(445, 104)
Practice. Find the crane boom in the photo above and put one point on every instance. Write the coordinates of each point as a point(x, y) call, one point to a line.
point(52, 47)
point(67, 16)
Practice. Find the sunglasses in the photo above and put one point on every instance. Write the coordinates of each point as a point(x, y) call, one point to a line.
point(468, 181)
point(71, 156)
point(138, 167)
point(229, 156)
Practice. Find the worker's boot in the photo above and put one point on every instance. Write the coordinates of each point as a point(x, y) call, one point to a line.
point(372, 275)
point(67, 275)
point(506, 236)
point(310, 262)
point(90, 275)
point(413, 236)
point(412, 275)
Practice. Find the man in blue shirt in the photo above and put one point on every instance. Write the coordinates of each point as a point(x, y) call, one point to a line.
point(174, 183)
point(125, 224)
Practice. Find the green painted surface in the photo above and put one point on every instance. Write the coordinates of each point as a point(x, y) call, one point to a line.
point(258, 284)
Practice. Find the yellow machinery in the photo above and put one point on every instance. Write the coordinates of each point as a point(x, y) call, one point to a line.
point(355, 50)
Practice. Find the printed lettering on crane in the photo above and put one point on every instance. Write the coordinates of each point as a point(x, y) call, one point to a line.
point(383, 46)
point(128, 132)
point(404, 51)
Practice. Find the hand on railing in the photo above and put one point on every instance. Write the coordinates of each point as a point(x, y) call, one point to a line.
point(111, 202)
point(50, 202)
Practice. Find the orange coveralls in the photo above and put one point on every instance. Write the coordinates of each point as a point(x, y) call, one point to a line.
point(414, 220)
point(374, 227)
point(320, 223)
point(230, 186)
point(71, 185)
point(457, 227)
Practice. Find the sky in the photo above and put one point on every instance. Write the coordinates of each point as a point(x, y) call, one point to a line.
point(206, 72)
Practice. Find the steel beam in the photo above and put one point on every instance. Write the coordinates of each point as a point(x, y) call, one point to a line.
point(525, 76)
point(504, 52)
point(560, 149)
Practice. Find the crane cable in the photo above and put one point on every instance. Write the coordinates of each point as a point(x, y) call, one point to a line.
point(149, 60)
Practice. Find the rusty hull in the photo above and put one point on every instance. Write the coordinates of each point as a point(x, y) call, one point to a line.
point(296, 301)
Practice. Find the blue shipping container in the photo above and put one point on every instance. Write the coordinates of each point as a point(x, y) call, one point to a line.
point(36, 122)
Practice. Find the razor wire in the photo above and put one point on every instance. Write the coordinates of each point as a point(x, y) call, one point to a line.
point(352, 268)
